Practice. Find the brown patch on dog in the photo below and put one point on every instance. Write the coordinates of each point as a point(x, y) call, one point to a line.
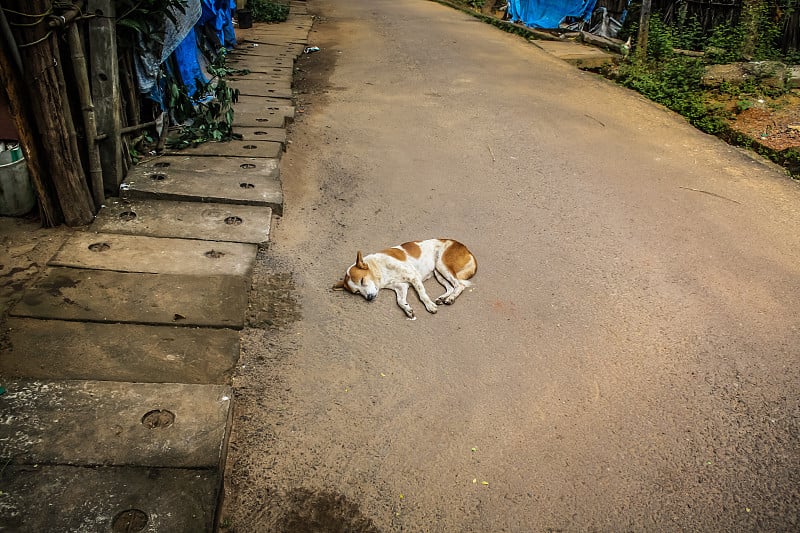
point(412, 248)
point(339, 285)
point(397, 253)
point(459, 260)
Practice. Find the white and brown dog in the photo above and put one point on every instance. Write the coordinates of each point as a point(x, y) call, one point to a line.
point(411, 263)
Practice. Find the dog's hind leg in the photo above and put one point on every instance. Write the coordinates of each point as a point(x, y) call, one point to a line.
point(456, 285)
point(402, 291)
point(444, 283)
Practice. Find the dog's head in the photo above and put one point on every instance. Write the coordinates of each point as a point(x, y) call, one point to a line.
point(359, 280)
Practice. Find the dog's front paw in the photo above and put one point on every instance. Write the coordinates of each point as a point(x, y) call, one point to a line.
point(432, 308)
point(410, 314)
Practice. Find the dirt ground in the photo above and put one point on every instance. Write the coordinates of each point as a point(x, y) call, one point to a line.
point(627, 360)
point(772, 122)
point(25, 248)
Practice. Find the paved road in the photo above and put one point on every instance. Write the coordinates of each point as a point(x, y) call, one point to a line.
point(628, 358)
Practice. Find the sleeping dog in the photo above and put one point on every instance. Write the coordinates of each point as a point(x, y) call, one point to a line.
point(411, 263)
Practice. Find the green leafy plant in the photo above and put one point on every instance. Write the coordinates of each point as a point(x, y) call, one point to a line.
point(268, 11)
point(743, 105)
point(675, 84)
point(688, 34)
point(209, 115)
point(725, 44)
point(141, 144)
point(660, 44)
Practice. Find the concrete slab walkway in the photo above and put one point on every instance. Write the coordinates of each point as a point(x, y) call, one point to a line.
point(118, 408)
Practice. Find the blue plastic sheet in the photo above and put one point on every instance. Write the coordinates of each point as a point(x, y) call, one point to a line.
point(186, 57)
point(218, 17)
point(548, 14)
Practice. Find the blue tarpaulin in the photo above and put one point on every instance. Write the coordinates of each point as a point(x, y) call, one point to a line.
point(217, 16)
point(189, 69)
point(549, 14)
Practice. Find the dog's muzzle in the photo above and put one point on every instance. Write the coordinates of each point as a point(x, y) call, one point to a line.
point(370, 297)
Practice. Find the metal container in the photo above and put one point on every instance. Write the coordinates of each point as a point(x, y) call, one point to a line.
point(16, 193)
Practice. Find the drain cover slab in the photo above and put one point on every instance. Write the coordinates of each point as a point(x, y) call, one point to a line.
point(279, 79)
point(261, 88)
point(134, 253)
point(112, 499)
point(261, 65)
point(264, 148)
point(298, 36)
point(258, 118)
point(246, 47)
point(256, 104)
point(270, 56)
point(213, 167)
point(185, 220)
point(124, 297)
point(58, 349)
point(262, 134)
point(91, 423)
point(237, 180)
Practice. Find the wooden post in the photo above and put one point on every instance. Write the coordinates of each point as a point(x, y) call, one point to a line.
point(43, 78)
point(104, 66)
point(644, 31)
point(23, 121)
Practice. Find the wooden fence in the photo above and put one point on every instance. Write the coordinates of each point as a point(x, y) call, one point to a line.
point(713, 13)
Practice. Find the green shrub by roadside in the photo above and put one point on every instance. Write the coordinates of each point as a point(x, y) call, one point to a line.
point(268, 11)
point(675, 84)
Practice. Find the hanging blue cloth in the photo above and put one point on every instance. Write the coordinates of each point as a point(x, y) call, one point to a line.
point(189, 68)
point(548, 14)
point(218, 17)
point(227, 28)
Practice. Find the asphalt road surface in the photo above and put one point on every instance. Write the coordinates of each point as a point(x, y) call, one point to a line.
point(627, 359)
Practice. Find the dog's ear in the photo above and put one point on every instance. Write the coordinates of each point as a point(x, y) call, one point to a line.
point(339, 286)
point(360, 262)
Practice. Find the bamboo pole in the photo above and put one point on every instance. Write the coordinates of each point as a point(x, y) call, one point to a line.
point(84, 93)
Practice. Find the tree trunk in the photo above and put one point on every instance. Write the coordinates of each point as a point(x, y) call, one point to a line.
point(42, 77)
point(29, 142)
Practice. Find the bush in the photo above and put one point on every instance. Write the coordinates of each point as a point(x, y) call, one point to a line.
point(675, 84)
point(267, 11)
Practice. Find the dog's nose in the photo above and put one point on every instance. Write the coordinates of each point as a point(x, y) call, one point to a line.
point(370, 297)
